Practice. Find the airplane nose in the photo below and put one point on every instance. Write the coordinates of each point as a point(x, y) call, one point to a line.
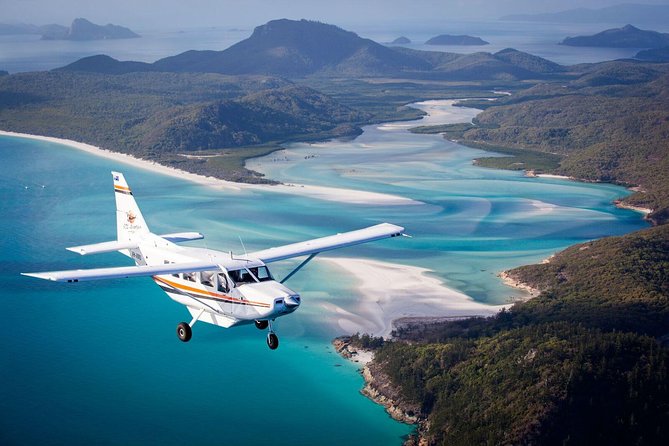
point(292, 301)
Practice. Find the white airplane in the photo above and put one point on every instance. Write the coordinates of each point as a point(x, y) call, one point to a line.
point(216, 287)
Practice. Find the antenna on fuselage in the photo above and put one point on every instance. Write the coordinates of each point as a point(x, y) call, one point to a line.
point(243, 247)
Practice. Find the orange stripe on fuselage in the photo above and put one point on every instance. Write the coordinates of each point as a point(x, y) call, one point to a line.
point(217, 296)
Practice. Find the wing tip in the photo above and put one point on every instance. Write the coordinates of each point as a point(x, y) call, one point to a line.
point(42, 276)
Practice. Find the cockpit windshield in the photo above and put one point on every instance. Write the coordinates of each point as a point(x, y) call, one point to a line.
point(250, 275)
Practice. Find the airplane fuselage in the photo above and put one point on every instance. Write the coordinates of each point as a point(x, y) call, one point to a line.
point(241, 291)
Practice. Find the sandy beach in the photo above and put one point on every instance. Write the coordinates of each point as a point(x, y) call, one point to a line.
point(317, 192)
point(622, 205)
point(390, 291)
point(508, 280)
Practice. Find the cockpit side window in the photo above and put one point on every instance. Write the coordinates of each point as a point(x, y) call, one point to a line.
point(250, 275)
point(262, 273)
point(241, 276)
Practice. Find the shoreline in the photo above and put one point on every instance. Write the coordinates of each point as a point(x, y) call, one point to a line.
point(407, 292)
point(622, 205)
point(379, 387)
point(351, 196)
point(519, 285)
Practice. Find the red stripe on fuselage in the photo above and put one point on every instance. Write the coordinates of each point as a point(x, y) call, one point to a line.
point(208, 294)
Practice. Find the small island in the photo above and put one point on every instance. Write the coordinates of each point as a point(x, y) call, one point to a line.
point(626, 37)
point(448, 39)
point(401, 41)
point(82, 29)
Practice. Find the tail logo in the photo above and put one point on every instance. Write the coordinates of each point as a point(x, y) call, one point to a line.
point(131, 217)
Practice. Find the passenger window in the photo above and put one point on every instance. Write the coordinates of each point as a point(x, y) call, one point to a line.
point(207, 278)
point(223, 285)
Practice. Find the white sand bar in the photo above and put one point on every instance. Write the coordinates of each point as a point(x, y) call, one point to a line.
point(389, 291)
point(340, 195)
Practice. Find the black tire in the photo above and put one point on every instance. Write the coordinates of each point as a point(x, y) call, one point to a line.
point(272, 341)
point(261, 325)
point(184, 332)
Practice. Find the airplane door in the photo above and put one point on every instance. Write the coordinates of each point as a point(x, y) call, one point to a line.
point(223, 283)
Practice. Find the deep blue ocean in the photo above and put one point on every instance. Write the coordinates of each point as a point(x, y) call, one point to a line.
point(99, 362)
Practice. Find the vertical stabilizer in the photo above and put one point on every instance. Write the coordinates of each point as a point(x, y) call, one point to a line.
point(130, 224)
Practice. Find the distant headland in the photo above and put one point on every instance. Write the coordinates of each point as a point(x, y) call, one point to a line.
point(626, 37)
point(80, 29)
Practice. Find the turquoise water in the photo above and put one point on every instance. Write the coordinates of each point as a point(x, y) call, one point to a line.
point(100, 362)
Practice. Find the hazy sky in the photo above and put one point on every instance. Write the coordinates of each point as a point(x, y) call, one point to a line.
point(152, 14)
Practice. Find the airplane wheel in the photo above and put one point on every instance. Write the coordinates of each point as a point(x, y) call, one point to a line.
point(261, 325)
point(184, 332)
point(272, 341)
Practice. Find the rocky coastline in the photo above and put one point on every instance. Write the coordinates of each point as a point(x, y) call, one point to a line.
point(380, 389)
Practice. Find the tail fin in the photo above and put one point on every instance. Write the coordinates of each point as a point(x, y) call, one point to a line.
point(130, 224)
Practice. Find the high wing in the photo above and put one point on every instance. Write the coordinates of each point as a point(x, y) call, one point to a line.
point(115, 245)
point(79, 275)
point(314, 246)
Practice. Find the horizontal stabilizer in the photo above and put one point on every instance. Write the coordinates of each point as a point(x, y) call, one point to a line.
point(369, 234)
point(80, 275)
point(179, 237)
point(97, 248)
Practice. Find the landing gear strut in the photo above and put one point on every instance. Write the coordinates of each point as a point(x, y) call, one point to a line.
point(272, 338)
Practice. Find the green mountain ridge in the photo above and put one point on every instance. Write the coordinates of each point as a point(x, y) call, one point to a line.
point(609, 125)
point(159, 115)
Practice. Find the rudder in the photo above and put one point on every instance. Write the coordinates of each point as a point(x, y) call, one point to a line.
point(130, 223)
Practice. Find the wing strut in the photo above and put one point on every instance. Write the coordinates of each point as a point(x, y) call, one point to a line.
point(299, 267)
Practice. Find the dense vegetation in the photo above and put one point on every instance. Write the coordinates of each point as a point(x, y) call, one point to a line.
point(580, 363)
point(160, 115)
point(610, 124)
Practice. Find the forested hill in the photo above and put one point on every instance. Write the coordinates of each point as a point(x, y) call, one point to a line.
point(610, 124)
point(161, 115)
point(296, 48)
point(580, 364)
